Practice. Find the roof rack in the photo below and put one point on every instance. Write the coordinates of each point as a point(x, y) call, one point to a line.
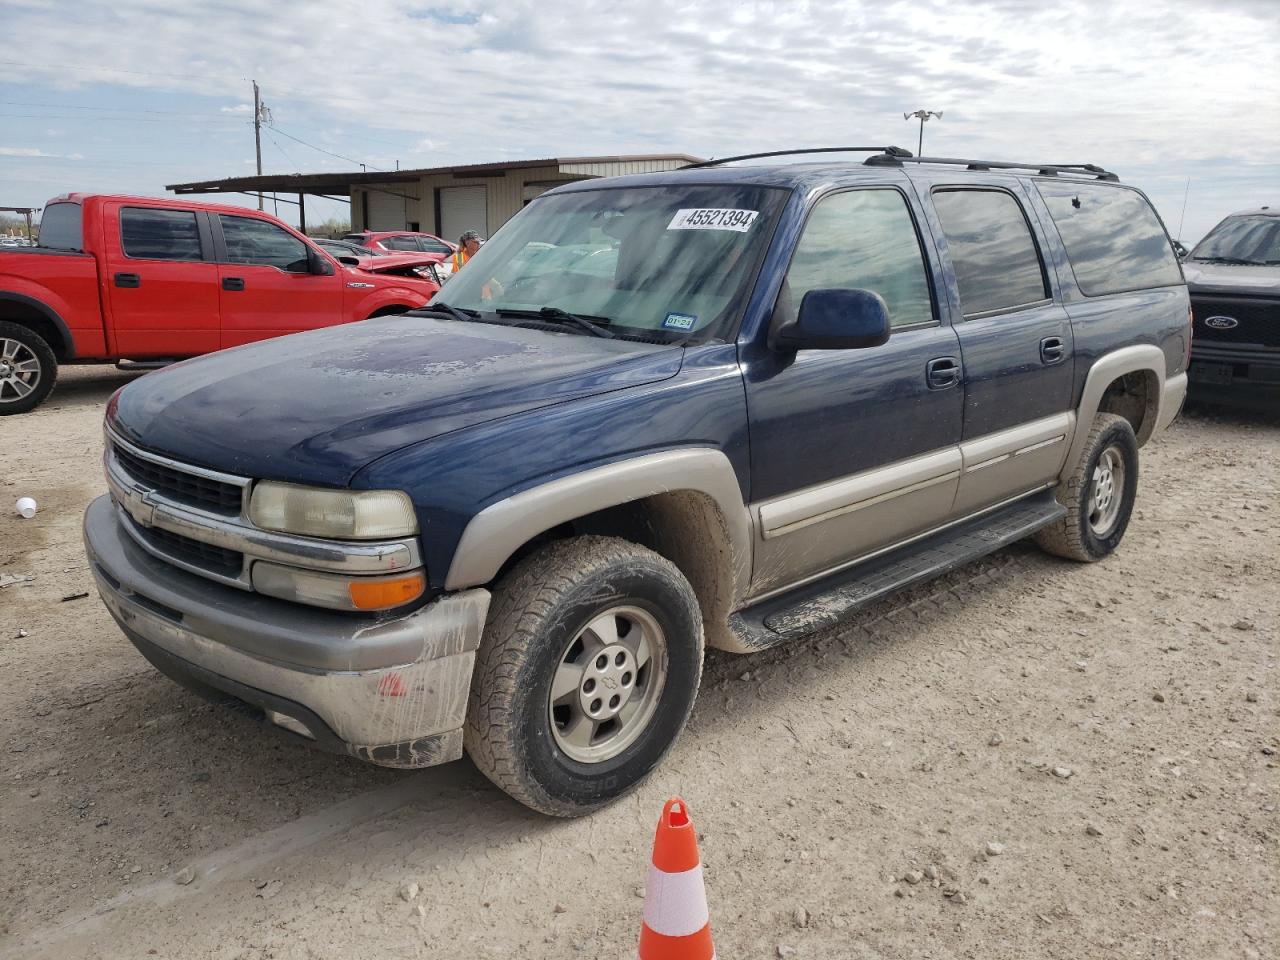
point(1044, 169)
point(887, 152)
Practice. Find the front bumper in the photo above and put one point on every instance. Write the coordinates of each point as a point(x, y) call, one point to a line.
point(393, 692)
point(1215, 365)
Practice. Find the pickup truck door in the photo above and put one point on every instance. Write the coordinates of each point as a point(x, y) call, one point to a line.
point(161, 282)
point(266, 288)
point(1015, 340)
point(854, 450)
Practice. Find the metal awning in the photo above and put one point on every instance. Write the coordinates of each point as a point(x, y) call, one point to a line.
point(340, 183)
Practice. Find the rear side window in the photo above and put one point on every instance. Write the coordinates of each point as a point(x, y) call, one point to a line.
point(60, 227)
point(401, 243)
point(435, 246)
point(996, 261)
point(152, 234)
point(1114, 240)
point(256, 241)
point(862, 239)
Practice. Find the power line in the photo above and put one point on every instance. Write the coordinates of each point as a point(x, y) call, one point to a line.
point(72, 116)
point(293, 163)
point(322, 149)
point(76, 106)
point(136, 73)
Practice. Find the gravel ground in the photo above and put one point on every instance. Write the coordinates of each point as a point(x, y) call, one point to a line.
point(1028, 758)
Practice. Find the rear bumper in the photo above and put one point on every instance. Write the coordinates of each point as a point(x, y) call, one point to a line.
point(393, 692)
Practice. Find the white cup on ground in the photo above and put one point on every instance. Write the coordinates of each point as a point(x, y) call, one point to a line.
point(26, 507)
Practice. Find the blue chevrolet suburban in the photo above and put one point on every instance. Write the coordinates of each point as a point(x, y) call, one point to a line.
point(725, 405)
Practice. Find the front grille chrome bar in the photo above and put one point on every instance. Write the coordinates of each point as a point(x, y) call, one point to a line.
point(150, 508)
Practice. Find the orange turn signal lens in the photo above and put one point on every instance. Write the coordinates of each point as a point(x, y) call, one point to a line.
point(383, 594)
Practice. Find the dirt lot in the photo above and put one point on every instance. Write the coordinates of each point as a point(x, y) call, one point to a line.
point(1109, 729)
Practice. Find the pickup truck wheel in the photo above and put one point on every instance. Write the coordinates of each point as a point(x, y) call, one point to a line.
point(28, 369)
point(1099, 494)
point(586, 674)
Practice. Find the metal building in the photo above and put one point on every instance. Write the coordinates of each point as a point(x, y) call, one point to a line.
point(442, 200)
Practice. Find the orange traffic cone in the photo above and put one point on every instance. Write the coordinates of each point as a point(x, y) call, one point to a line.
point(677, 925)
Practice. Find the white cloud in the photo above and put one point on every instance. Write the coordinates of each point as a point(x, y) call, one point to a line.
point(1170, 89)
point(23, 152)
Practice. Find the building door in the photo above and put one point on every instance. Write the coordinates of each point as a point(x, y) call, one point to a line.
point(463, 209)
point(385, 211)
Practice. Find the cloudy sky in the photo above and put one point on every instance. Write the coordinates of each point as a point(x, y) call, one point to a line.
point(136, 94)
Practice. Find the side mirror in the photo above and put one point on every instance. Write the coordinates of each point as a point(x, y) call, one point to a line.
point(318, 264)
point(836, 320)
point(349, 261)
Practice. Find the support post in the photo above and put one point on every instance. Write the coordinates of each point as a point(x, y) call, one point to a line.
point(302, 213)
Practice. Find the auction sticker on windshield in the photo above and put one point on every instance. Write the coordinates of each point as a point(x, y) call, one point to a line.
point(713, 218)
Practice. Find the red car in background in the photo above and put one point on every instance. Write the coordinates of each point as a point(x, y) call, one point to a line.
point(402, 240)
point(156, 280)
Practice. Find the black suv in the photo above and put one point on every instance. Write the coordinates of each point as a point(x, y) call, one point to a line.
point(1234, 278)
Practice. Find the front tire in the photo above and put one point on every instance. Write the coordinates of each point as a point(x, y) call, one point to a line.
point(1099, 495)
point(586, 674)
point(28, 369)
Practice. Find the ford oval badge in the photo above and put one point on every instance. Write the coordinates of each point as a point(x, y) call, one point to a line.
point(1221, 323)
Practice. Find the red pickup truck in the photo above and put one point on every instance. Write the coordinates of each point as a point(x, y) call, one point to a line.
point(154, 280)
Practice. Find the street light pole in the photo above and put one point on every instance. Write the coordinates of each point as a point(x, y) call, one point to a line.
point(922, 115)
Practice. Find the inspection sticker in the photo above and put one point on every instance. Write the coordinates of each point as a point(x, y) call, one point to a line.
point(679, 321)
point(713, 218)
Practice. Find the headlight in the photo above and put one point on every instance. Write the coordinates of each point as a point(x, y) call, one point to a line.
point(334, 514)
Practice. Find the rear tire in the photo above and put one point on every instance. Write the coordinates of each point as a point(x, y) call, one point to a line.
point(28, 369)
point(1099, 495)
point(586, 674)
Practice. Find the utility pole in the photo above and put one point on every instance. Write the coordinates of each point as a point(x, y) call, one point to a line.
point(922, 115)
point(257, 133)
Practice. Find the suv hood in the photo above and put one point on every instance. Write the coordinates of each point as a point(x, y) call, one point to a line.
point(315, 407)
point(1245, 281)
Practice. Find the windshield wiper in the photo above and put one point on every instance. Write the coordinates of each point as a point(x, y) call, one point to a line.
point(449, 311)
point(1234, 261)
point(593, 325)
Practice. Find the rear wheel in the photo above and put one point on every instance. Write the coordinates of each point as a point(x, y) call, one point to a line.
point(28, 369)
point(587, 672)
point(1099, 495)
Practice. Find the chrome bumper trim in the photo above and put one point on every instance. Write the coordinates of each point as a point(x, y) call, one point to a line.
point(147, 507)
point(411, 676)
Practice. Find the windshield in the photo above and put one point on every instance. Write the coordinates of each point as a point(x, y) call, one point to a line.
point(660, 262)
point(1252, 240)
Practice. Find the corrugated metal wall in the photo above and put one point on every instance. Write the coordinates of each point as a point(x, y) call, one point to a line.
point(505, 193)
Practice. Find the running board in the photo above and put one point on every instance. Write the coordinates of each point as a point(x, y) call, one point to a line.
point(823, 603)
point(132, 365)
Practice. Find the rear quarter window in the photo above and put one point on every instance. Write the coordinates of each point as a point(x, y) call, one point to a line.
point(60, 227)
point(1113, 238)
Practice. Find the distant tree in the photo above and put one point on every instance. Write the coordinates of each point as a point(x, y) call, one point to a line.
point(332, 228)
point(15, 226)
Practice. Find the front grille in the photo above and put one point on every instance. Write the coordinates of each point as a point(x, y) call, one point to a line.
point(1258, 321)
point(226, 563)
point(184, 487)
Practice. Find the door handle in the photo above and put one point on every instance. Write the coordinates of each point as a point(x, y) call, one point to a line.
point(128, 280)
point(233, 283)
point(1052, 350)
point(942, 372)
